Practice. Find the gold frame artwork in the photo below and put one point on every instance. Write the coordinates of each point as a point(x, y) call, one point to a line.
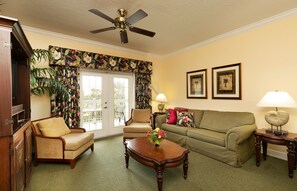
point(226, 82)
point(197, 84)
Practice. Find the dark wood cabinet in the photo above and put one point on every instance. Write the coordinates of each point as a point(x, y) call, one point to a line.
point(19, 164)
point(28, 153)
point(5, 163)
point(15, 111)
point(21, 160)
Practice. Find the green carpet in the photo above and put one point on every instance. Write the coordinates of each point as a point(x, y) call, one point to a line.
point(104, 169)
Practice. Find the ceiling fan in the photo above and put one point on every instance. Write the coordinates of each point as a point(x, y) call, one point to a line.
point(123, 23)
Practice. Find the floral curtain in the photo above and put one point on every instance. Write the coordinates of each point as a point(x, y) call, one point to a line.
point(143, 93)
point(68, 108)
point(68, 61)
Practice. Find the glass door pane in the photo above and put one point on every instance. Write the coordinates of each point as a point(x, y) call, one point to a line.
point(120, 101)
point(91, 102)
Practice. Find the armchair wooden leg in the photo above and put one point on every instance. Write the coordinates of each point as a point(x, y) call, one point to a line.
point(72, 164)
point(92, 148)
point(36, 162)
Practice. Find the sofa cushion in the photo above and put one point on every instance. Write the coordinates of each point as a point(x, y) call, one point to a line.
point(198, 114)
point(185, 119)
point(175, 129)
point(141, 115)
point(76, 140)
point(53, 127)
point(207, 136)
point(223, 121)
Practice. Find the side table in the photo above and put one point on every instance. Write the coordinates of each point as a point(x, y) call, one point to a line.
point(154, 118)
point(288, 140)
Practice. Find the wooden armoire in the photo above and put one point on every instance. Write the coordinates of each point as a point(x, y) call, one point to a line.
point(15, 111)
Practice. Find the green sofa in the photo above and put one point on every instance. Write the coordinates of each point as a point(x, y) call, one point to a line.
point(225, 136)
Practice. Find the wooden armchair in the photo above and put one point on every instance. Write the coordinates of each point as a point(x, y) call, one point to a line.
point(138, 125)
point(55, 142)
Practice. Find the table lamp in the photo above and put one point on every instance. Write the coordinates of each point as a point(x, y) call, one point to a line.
point(277, 118)
point(162, 99)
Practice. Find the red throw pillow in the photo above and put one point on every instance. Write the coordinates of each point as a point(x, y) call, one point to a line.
point(173, 116)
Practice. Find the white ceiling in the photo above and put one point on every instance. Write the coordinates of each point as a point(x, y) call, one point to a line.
point(178, 24)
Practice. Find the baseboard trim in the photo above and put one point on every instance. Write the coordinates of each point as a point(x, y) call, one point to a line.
point(277, 154)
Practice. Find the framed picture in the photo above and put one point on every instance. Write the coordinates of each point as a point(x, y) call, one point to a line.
point(226, 82)
point(196, 84)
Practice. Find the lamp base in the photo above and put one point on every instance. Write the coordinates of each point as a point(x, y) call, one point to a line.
point(161, 107)
point(279, 133)
point(276, 132)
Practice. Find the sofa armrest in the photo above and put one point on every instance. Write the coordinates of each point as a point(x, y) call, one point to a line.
point(159, 120)
point(237, 135)
point(49, 147)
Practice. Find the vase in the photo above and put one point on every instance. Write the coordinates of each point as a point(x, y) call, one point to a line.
point(156, 145)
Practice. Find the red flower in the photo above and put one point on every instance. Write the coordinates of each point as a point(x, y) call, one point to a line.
point(161, 133)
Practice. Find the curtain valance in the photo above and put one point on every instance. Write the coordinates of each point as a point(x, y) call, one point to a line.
point(83, 59)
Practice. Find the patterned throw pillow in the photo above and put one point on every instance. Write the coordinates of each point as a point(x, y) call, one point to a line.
point(171, 115)
point(185, 119)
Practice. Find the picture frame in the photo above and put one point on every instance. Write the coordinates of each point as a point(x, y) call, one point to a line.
point(197, 84)
point(226, 82)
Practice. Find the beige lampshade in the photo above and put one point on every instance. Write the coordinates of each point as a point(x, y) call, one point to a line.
point(277, 99)
point(161, 98)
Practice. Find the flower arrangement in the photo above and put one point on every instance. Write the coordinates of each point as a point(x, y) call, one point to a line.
point(156, 136)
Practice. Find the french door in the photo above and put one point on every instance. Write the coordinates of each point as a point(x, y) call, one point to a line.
point(106, 100)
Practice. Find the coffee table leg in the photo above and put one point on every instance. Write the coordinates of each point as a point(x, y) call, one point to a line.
point(185, 166)
point(159, 170)
point(126, 156)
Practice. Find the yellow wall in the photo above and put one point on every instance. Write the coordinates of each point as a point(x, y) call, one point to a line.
point(40, 105)
point(268, 57)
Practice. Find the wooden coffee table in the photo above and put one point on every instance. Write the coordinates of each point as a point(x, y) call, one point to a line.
point(167, 155)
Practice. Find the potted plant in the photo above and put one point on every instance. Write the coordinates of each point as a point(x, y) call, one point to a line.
point(43, 80)
point(156, 136)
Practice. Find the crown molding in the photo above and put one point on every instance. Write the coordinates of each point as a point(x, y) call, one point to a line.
point(101, 44)
point(291, 12)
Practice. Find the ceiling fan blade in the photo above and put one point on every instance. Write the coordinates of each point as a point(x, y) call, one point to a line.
point(124, 36)
point(100, 14)
point(103, 30)
point(138, 15)
point(142, 31)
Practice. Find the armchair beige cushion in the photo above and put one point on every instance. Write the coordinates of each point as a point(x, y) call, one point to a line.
point(138, 125)
point(53, 127)
point(141, 115)
point(54, 141)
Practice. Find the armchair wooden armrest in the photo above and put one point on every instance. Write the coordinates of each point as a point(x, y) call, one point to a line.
point(77, 130)
point(129, 121)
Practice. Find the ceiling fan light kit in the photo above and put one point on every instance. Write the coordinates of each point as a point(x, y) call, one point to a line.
point(123, 23)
